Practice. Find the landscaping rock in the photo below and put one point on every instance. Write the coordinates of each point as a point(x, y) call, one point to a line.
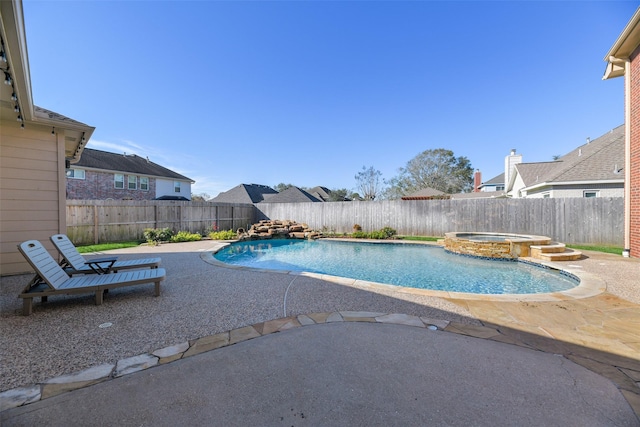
point(284, 229)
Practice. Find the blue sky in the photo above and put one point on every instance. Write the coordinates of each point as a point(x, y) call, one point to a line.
point(309, 92)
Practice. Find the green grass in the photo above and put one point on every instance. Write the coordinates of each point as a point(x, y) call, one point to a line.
point(420, 238)
point(598, 248)
point(106, 247)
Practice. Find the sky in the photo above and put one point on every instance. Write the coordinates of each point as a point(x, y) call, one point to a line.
point(310, 92)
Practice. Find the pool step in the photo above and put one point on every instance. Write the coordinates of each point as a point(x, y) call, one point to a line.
point(554, 251)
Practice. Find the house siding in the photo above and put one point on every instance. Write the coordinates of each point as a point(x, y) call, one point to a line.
point(99, 185)
point(607, 190)
point(32, 204)
point(165, 187)
point(634, 131)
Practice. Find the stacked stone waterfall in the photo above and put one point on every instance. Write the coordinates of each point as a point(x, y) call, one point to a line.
point(278, 229)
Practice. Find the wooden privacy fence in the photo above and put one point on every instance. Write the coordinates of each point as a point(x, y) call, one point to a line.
point(100, 221)
point(596, 220)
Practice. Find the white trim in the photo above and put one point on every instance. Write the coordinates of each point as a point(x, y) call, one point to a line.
point(555, 183)
point(115, 181)
point(629, 29)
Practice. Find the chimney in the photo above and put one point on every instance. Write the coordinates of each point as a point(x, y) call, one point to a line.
point(509, 162)
point(477, 181)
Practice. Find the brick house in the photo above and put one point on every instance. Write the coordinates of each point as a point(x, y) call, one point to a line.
point(101, 175)
point(623, 59)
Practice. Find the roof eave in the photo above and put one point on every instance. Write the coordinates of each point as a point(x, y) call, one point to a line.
point(623, 47)
point(13, 32)
point(587, 182)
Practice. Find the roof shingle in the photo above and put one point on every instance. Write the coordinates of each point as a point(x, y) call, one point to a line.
point(598, 160)
point(129, 163)
point(245, 193)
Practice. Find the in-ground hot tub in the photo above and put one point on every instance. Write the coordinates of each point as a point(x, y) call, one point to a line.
point(492, 245)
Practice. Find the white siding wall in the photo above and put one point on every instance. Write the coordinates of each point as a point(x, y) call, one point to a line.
point(517, 185)
point(165, 187)
point(578, 192)
point(32, 199)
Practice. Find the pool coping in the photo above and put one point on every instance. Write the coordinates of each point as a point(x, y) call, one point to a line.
point(590, 285)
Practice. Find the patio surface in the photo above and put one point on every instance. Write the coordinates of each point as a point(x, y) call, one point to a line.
point(204, 306)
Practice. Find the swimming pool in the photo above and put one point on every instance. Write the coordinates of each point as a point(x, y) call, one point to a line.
point(409, 265)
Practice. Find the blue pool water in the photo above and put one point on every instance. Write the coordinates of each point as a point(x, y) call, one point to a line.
point(410, 265)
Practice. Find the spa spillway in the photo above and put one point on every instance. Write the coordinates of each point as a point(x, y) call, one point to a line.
point(492, 245)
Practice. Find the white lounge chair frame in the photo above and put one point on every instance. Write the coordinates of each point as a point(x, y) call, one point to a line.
point(51, 279)
point(73, 262)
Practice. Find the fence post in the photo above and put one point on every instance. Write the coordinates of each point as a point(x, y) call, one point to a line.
point(95, 225)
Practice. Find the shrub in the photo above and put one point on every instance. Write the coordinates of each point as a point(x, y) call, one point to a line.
point(385, 233)
point(388, 232)
point(154, 236)
point(185, 236)
point(357, 227)
point(378, 234)
point(223, 235)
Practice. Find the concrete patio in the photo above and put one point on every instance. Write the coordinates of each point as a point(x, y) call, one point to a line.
point(204, 306)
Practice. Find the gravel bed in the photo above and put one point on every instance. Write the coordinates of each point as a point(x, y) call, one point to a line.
point(197, 299)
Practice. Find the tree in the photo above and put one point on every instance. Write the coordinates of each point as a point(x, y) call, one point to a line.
point(438, 169)
point(282, 186)
point(369, 181)
point(200, 197)
point(338, 194)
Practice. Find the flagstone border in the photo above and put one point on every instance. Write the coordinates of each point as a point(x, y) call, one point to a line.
point(626, 378)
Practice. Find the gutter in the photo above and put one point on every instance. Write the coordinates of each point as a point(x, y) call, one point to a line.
point(554, 183)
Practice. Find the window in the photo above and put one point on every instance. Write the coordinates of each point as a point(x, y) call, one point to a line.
point(75, 173)
point(546, 195)
point(118, 180)
point(144, 183)
point(499, 187)
point(176, 186)
point(591, 193)
point(133, 182)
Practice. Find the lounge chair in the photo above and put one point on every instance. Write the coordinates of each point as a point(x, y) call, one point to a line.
point(51, 279)
point(73, 262)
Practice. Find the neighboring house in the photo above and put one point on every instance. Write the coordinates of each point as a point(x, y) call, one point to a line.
point(256, 193)
point(321, 193)
point(35, 147)
point(478, 195)
point(290, 195)
point(325, 195)
point(426, 194)
point(245, 193)
point(623, 59)
point(594, 169)
point(101, 175)
point(497, 183)
point(494, 184)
